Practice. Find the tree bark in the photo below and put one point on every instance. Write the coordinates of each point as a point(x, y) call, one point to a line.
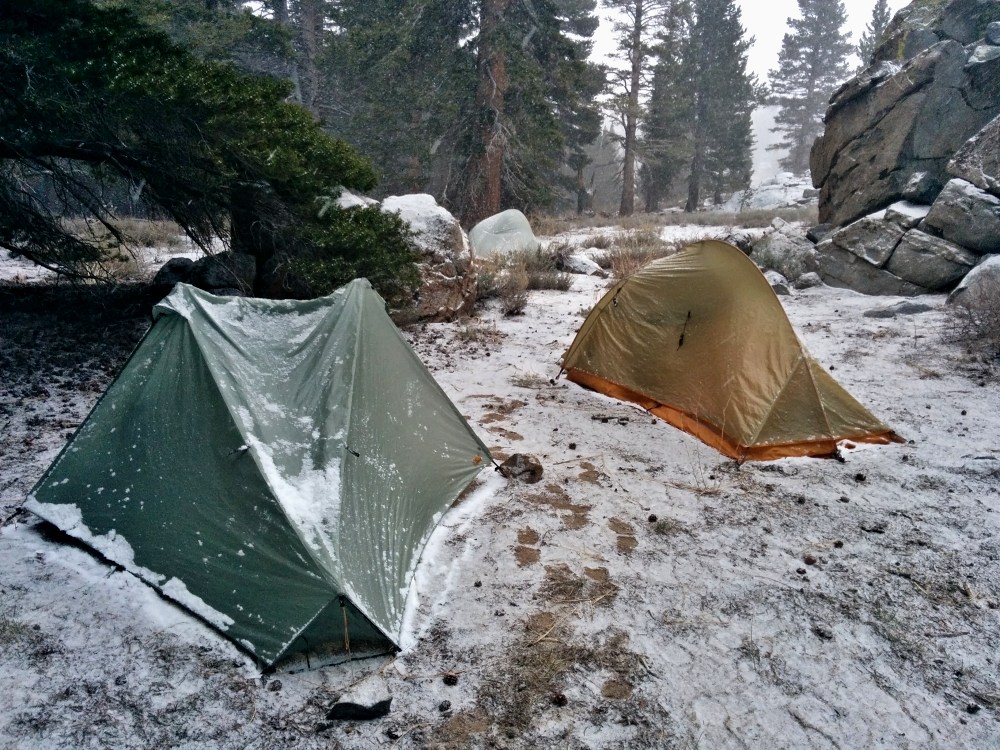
point(310, 40)
point(627, 207)
point(490, 95)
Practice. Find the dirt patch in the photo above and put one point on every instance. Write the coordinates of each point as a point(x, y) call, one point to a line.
point(526, 556)
point(540, 623)
point(600, 575)
point(506, 434)
point(590, 473)
point(616, 690)
point(528, 535)
point(620, 527)
point(626, 544)
point(572, 515)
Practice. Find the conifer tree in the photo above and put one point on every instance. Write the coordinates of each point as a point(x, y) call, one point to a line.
point(811, 64)
point(873, 32)
point(642, 21)
point(699, 116)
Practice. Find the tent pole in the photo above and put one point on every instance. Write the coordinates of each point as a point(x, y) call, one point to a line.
point(347, 637)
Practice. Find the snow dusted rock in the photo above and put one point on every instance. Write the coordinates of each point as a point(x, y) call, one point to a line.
point(922, 187)
point(820, 232)
point(784, 191)
point(447, 273)
point(786, 250)
point(578, 263)
point(347, 199)
point(993, 32)
point(522, 466)
point(905, 214)
point(838, 267)
point(928, 261)
point(984, 279)
point(869, 238)
point(968, 216)
point(978, 161)
point(369, 699)
point(922, 24)
point(877, 137)
point(224, 273)
point(778, 283)
point(906, 307)
point(171, 273)
point(808, 281)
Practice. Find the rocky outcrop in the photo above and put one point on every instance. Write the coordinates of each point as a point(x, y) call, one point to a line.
point(786, 250)
point(447, 273)
point(968, 216)
point(895, 122)
point(981, 282)
point(909, 163)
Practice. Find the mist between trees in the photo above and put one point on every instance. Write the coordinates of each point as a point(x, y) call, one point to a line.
point(239, 121)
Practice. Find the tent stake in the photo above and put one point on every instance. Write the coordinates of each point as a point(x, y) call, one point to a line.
point(347, 637)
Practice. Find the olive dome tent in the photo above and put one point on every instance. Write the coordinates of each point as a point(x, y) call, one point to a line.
point(276, 467)
point(700, 340)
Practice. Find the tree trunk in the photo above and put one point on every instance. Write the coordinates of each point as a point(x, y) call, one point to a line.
point(487, 166)
point(310, 39)
point(627, 207)
point(694, 179)
point(280, 10)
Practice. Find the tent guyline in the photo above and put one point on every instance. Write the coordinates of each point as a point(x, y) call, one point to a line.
point(276, 467)
point(700, 340)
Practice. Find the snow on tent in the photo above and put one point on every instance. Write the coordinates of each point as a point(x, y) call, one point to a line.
point(700, 340)
point(505, 232)
point(274, 466)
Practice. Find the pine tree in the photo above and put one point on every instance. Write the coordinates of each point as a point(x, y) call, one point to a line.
point(811, 64)
point(873, 32)
point(665, 146)
point(642, 23)
point(699, 115)
point(725, 97)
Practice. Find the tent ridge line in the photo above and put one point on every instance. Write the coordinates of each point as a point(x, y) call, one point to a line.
point(780, 393)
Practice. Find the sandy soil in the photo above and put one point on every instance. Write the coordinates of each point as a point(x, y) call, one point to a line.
point(646, 593)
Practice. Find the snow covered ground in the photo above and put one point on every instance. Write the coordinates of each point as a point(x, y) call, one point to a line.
point(800, 603)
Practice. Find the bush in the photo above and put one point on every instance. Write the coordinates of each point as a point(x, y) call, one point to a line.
point(354, 243)
point(977, 321)
point(634, 249)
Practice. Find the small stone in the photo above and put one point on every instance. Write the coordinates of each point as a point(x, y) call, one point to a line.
point(809, 560)
point(843, 499)
point(838, 544)
point(801, 501)
point(527, 469)
point(478, 584)
point(450, 679)
point(572, 446)
point(558, 699)
point(652, 518)
point(822, 632)
point(972, 708)
point(859, 477)
point(964, 412)
point(800, 571)
point(274, 686)
point(444, 706)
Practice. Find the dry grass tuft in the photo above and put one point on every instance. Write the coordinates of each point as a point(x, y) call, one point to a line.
point(634, 249)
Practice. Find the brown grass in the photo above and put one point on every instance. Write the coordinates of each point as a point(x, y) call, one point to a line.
point(548, 226)
point(976, 322)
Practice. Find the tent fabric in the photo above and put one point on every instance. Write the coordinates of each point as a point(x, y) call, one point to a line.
point(274, 466)
point(506, 232)
point(700, 340)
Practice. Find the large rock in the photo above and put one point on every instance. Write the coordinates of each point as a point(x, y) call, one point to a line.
point(922, 24)
point(224, 273)
point(930, 262)
point(968, 216)
point(892, 122)
point(978, 161)
point(171, 273)
point(870, 238)
point(980, 282)
point(447, 273)
point(786, 250)
point(839, 267)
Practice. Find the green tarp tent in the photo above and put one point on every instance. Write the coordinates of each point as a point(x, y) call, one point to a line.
point(274, 466)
